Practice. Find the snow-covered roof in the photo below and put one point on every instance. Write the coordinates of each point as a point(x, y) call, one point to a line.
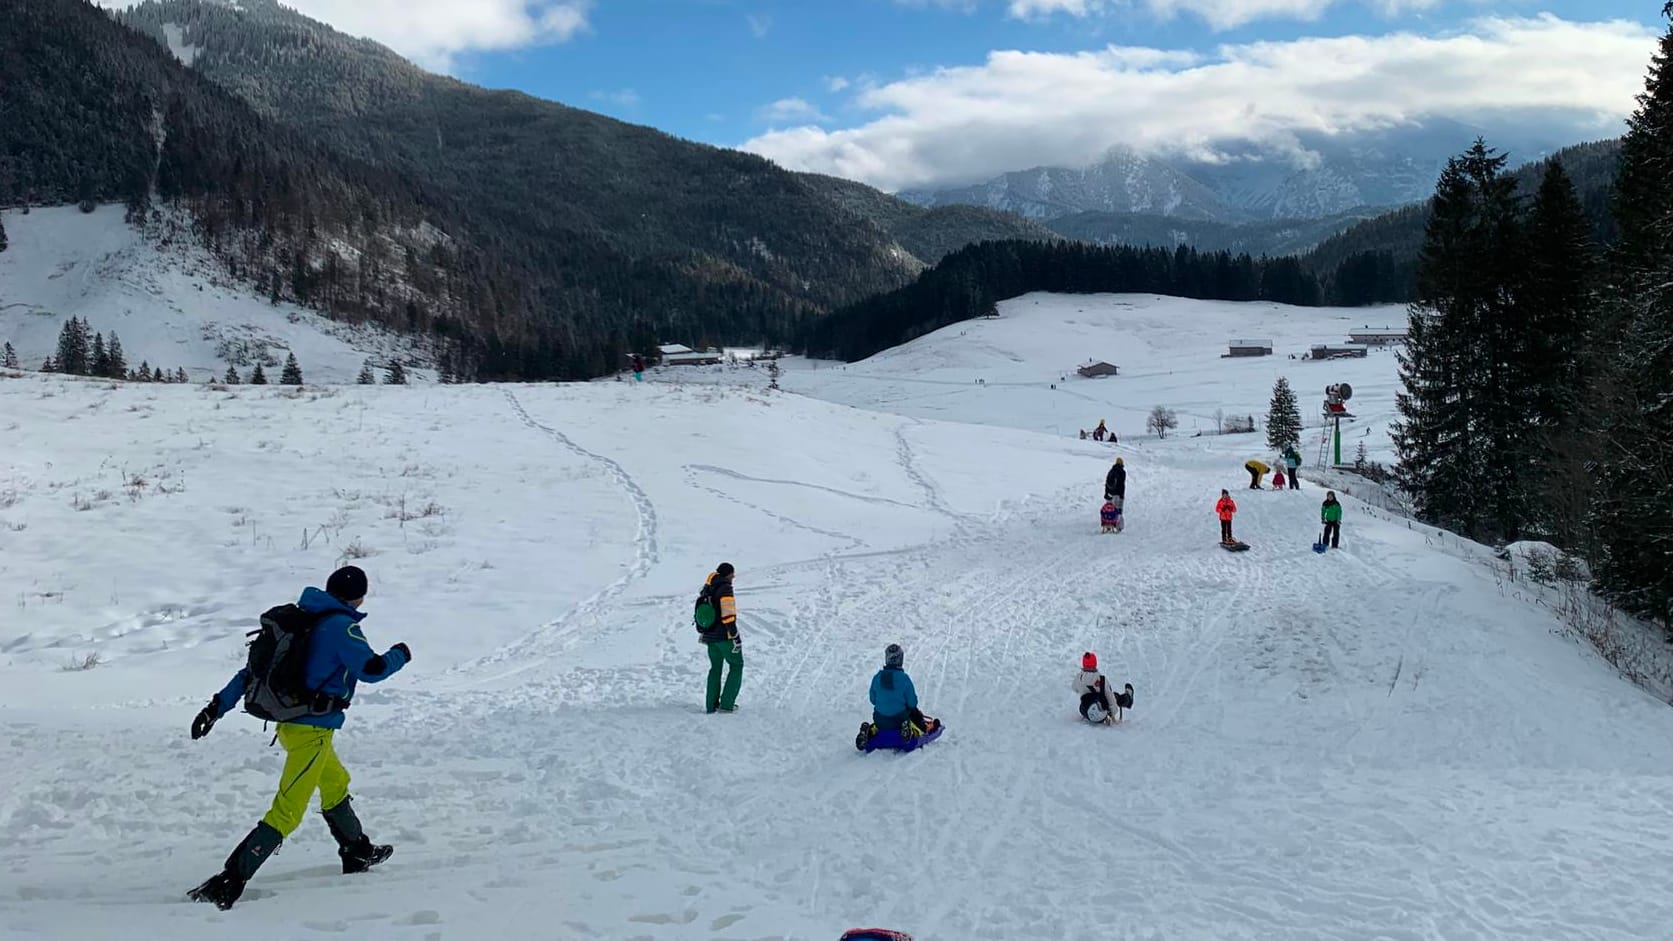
point(670, 349)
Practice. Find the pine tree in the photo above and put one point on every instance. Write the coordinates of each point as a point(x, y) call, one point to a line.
point(73, 347)
point(367, 377)
point(1632, 506)
point(100, 364)
point(1462, 429)
point(113, 352)
point(292, 375)
point(8, 357)
point(145, 372)
point(231, 378)
point(180, 374)
point(3, 241)
point(395, 374)
point(49, 365)
point(1283, 418)
point(257, 377)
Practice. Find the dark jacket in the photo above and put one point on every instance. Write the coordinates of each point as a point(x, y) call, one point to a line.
point(718, 591)
point(338, 658)
point(1115, 483)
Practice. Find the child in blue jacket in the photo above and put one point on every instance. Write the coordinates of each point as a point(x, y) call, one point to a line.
point(894, 701)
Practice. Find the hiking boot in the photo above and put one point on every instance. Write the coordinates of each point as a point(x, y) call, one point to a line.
point(363, 855)
point(225, 887)
point(728, 708)
point(222, 889)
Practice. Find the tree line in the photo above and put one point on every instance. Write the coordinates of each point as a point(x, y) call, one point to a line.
point(972, 281)
point(1538, 370)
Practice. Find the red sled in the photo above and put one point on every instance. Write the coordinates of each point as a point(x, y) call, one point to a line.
point(874, 934)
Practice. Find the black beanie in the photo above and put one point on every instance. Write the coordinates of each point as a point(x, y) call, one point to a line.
point(347, 584)
point(724, 570)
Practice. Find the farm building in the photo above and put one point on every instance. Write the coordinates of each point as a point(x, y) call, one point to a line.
point(1098, 370)
point(1249, 348)
point(673, 354)
point(1377, 336)
point(1337, 351)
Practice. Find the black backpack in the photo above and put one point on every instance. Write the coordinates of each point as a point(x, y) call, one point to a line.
point(277, 689)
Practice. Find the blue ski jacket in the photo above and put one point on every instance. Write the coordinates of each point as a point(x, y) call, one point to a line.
point(892, 694)
point(338, 658)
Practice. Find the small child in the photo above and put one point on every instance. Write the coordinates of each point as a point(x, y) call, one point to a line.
point(1110, 515)
point(894, 701)
point(1278, 479)
point(1096, 704)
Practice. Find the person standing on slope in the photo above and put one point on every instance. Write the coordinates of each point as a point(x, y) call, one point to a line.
point(717, 627)
point(1099, 432)
point(1115, 483)
point(1331, 515)
point(337, 657)
point(1257, 469)
point(1292, 460)
point(1226, 508)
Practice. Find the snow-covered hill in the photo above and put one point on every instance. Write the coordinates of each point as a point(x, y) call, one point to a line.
point(1384, 741)
point(169, 301)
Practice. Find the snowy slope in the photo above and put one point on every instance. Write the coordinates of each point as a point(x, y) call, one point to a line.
point(171, 305)
point(1382, 742)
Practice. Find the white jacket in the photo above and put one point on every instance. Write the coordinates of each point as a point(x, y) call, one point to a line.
point(1086, 681)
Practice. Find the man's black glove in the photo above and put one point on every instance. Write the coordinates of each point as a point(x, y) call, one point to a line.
point(205, 720)
point(405, 651)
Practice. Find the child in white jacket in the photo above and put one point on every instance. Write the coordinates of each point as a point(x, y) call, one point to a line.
point(1097, 704)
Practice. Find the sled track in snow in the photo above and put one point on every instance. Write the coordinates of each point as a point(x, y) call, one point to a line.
point(644, 540)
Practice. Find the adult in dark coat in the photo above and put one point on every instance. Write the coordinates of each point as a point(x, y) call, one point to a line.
point(1115, 483)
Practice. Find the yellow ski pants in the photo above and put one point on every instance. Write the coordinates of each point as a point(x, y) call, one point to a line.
point(310, 764)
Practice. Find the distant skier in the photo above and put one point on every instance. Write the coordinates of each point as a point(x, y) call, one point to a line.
point(716, 617)
point(1096, 702)
point(1257, 469)
point(1292, 460)
point(638, 367)
point(1109, 516)
point(1115, 482)
point(337, 657)
point(1330, 513)
point(1226, 508)
point(894, 700)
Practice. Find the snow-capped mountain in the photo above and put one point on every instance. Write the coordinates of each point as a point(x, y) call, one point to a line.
point(1324, 176)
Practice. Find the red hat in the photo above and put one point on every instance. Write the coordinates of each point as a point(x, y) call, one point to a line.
point(1089, 661)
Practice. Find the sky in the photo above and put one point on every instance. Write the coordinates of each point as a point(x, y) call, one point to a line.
point(907, 93)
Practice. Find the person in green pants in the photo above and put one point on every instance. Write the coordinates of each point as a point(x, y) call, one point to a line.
point(717, 627)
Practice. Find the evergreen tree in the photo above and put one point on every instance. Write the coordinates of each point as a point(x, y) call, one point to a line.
point(231, 378)
point(180, 374)
point(1462, 429)
point(100, 364)
point(73, 347)
point(117, 362)
point(1632, 507)
point(395, 374)
point(1283, 418)
point(292, 375)
point(257, 377)
point(49, 365)
point(3, 240)
point(144, 372)
point(8, 357)
point(367, 377)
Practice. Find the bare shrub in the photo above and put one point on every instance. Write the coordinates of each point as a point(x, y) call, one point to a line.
point(355, 550)
point(82, 664)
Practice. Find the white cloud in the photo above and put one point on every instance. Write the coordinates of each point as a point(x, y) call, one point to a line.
point(759, 24)
point(1021, 109)
point(791, 111)
point(432, 32)
point(1219, 14)
point(621, 97)
point(836, 83)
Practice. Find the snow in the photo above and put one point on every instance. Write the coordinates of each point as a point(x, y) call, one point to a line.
point(171, 304)
point(1386, 741)
point(176, 37)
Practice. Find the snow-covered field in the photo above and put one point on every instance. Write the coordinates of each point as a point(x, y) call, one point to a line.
point(172, 306)
point(1386, 741)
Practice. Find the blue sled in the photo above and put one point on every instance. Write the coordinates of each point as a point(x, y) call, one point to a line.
point(869, 741)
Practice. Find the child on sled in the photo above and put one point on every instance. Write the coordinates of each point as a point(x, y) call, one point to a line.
point(1097, 703)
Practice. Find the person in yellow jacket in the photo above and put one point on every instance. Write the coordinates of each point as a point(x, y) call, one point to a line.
point(716, 618)
point(1256, 470)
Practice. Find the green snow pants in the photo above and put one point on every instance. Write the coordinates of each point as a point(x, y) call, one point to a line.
point(724, 653)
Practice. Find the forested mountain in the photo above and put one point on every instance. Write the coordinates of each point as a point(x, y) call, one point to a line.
point(1376, 260)
point(929, 234)
point(972, 281)
point(1275, 237)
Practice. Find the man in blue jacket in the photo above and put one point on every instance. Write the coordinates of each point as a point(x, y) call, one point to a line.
point(338, 657)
